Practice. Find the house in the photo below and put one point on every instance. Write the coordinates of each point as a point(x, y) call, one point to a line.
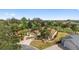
point(36, 32)
point(71, 42)
point(30, 35)
point(53, 34)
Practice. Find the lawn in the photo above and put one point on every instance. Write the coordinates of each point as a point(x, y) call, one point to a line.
point(59, 36)
point(41, 45)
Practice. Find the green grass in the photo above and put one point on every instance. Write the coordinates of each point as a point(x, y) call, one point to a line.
point(59, 36)
point(40, 45)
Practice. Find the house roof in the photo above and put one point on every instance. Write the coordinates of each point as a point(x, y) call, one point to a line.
point(74, 38)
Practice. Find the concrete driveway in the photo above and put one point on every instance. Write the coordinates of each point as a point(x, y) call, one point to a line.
point(54, 47)
point(26, 47)
point(25, 44)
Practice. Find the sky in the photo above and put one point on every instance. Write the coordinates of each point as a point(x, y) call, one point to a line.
point(45, 14)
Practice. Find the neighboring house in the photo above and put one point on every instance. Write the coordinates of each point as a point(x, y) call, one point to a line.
point(36, 32)
point(53, 34)
point(31, 35)
point(71, 42)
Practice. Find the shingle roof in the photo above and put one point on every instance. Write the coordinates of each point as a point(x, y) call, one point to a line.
point(74, 38)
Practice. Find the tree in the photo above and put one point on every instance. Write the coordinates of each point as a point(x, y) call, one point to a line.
point(35, 23)
point(8, 37)
point(45, 33)
point(74, 27)
point(13, 20)
point(24, 23)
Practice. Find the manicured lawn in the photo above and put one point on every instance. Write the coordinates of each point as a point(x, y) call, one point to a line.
point(59, 36)
point(41, 45)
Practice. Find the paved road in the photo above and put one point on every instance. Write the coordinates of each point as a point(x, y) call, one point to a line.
point(25, 44)
point(26, 41)
point(54, 47)
point(26, 47)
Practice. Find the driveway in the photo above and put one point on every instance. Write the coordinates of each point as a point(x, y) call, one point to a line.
point(26, 47)
point(25, 44)
point(26, 41)
point(54, 47)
